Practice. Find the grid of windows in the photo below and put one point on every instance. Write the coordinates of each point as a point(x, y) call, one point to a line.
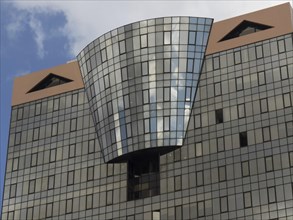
point(159, 89)
point(239, 168)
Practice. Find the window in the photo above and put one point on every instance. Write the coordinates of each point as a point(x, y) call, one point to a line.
point(29, 213)
point(220, 144)
point(239, 83)
point(281, 46)
point(224, 204)
point(269, 164)
point(71, 151)
point(69, 204)
point(247, 200)
point(143, 40)
point(110, 169)
point(243, 139)
point(245, 168)
point(216, 63)
point(261, 78)
point(89, 201)
point(218, 89)
point(241, 111)
point(177, 183)
point(12, 192)
point(266, 134)
point(264, 105)
point(10, 215)
point(200, 209)
point(34, 159)
point(177, 155)
point(197, 122)
point(245, 28)
point(54, 130)
point(259, 52)
point(143, 176)
point(91, 146)
point(287, 100)
point(291, 158)
point(167, 37)
point(56, 104)
point(284, 72)
point(192, 37)
point(90, 173)
point(190, 65)
point(19, 114)
point(289, 128)
point(222, 173)
point(145, 96)
point(51, 181)
point(109, 197)
point(237, 57)
point(198, 149)
point(31, 188)
point(166, 123)
point(219, 116)
point(15, 164)
point(272, 194)
point(36, 134)
point(74, 99)
point(73, 124)
point(122, 47)
point(38, 109)
point(199, 178)
point(17, 138)
point(70, 177)
point(49, 81)
point(49, 210)
point(178, 212)
point(156, 215)
point(52, 155)
point(144, 68)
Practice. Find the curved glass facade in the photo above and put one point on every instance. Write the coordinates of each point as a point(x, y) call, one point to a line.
point(141, 81)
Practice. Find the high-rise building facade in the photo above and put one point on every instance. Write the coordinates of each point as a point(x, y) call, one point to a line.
point(167, 118)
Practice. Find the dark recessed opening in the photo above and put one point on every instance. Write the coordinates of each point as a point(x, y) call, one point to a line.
point(219, 116)
point(245, 28)
point(50, 81)
point(243, 139)
point(144, 176)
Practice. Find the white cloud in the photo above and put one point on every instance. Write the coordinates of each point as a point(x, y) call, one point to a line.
point(86, 20)
point(39, 35)
point(16, 25)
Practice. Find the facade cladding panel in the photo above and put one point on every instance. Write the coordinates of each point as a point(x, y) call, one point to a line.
point(231, 157)
point(141, 81)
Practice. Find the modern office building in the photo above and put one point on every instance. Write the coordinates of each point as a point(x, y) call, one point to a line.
point(166, 118)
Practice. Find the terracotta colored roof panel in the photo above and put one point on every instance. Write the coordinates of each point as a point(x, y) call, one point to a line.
point(278, 17)
point(23, 84)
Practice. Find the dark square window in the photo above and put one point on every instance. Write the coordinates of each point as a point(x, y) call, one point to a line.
point(219, 116)
point(243, 139)
point(143, 176)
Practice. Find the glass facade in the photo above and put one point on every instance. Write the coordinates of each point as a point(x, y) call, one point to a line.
point(141, 81)
point(232, 127)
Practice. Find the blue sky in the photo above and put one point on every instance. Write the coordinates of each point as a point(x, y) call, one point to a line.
point(37, 35)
